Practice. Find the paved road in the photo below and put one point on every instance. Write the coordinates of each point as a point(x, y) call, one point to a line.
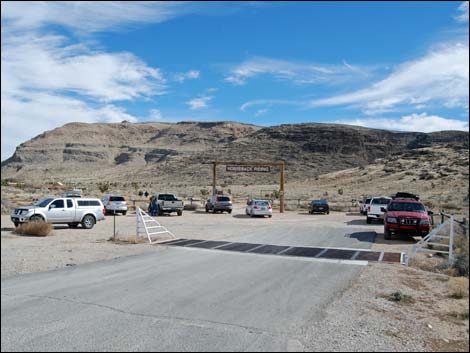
point(178, 299)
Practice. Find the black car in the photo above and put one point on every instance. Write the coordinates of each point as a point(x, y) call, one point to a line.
point(319, 206)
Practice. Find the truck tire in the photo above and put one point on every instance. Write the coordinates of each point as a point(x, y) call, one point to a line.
point(179, 213)
point(88, 221)
point(36, 218)
point(387, 234)
point(17, 224)
point(369, 220)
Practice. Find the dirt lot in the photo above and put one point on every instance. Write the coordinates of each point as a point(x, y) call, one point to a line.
point(363, 318)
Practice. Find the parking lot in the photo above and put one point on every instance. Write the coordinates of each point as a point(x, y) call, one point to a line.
point(69, 247)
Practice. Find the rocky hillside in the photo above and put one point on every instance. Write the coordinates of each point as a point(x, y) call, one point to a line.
point(180, 153)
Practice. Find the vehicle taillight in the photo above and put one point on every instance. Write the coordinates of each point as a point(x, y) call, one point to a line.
point(269, 207)
point(368, 208)
point(104, 211)
point(255, 207)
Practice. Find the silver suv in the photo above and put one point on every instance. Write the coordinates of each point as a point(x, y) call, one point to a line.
point(61, 210)
point(115, 204)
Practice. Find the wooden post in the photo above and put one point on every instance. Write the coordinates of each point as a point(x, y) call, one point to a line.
point(214, 177)
point(281, 189)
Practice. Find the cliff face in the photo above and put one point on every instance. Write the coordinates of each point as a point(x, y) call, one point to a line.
point(180, 152)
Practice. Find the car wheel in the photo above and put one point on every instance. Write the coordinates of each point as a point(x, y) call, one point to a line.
point(88, 221)
point(327, 212)
point(16, 224)
point(270, 216)
point(229, 211)
point(369, 220)
point(387, 234)
point(179, 213)
point(124, 213)
point(36, 219)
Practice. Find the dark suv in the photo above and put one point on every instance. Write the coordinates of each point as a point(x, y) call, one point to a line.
point(319, 206)
point(219, 203)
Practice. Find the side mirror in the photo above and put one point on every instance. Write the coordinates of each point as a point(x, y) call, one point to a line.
point(51, 206)
point(383, 209)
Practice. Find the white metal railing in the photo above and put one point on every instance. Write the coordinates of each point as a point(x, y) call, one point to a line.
point(421, 245)
point(148, 226)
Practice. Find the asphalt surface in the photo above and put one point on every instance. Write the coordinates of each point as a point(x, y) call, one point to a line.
point(178, 299)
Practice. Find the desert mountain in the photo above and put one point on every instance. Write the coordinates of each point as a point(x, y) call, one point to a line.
point(180, 152)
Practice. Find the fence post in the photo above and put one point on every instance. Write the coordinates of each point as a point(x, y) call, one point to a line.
point(451, 240)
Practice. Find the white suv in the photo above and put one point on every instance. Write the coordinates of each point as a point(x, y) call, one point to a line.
point(115, 204)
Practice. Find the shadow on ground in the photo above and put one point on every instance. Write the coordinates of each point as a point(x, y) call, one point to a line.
point(368, 237)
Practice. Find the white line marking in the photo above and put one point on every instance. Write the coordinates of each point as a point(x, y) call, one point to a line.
point(355, 255)
point(321, 253)
point(381, 256)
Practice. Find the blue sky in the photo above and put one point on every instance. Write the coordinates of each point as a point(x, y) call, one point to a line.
point(393, 65)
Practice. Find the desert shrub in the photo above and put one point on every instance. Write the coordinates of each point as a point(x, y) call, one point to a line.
point(103, 187)
point(458, 287)
point(399, 297)
point(460, 264)
point(37, 229)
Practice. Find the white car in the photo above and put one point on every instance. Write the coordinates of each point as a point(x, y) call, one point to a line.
point(364, 205)
point(374, 209)
point(259, 208)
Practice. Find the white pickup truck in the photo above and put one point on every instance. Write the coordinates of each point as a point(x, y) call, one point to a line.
point(374, 209)
point(61, 210)
point(168, 203)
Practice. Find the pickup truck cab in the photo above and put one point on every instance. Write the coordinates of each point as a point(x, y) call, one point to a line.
point(406, 216)
point(168, 203)
point(374, 209)
point(61, 210)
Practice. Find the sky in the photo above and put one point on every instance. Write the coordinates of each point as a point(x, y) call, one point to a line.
point(388, 65)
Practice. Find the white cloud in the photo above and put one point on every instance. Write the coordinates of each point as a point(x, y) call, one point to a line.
point(441, 76)
point(414, 122)
point(200, 102)
point(89, 16)
point(463, 9)
point(293, 71)
point(28, 116)
point(47, 81)
point(269, 103)
point(155, 114)
point(260, 112)
point(190, 75)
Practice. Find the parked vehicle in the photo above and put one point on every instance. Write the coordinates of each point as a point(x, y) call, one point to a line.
point(168, 203)
point(406, 216)
point(114, 204)
point(319, 206)
point(218, 203)
point(363, 206)
point(374, 209)
point(259, 208)
point(71, 211)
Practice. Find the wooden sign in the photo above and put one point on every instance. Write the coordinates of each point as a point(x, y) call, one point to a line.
point(249, 168)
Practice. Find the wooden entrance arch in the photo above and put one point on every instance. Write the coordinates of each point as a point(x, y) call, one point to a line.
point(252, 164)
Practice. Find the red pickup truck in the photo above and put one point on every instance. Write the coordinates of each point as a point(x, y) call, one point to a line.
point(406, 216)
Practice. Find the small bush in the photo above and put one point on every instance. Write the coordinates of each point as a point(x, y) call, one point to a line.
point(458, 287)
point(459, 316)
point(37, 229)
point(399, 297)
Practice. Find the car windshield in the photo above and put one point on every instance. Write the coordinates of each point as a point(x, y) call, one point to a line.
point(381, 201)
point(43, 202)
point(262, 203)
point(407, 207)
point(223, 198)
point(116, 198)
point(319, 202)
